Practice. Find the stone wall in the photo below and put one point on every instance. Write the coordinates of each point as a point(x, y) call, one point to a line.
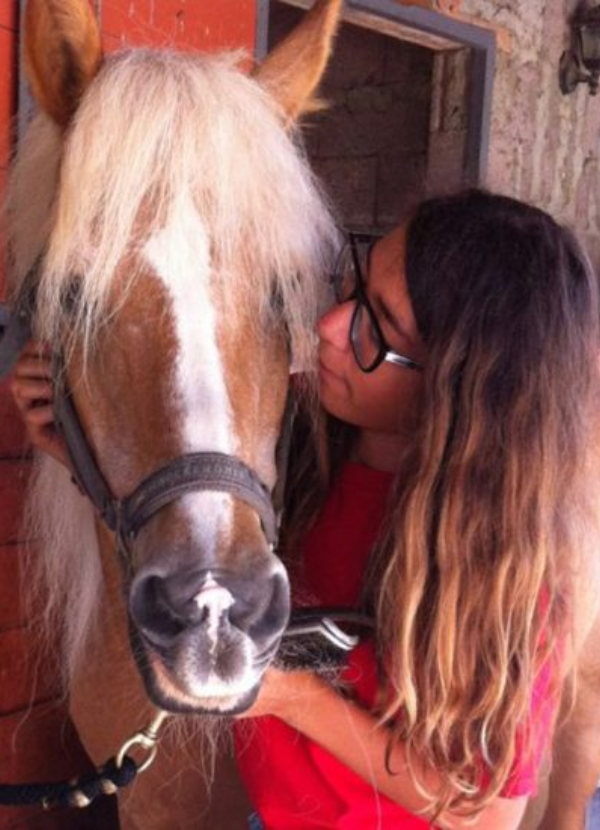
point(370, 145)
point(544, 146)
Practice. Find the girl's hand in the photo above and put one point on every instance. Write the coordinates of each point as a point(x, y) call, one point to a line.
point(32, 391)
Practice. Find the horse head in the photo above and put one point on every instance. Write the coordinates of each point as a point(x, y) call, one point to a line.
point(183, 243)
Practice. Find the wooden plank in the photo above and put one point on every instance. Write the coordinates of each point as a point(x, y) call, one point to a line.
point(401, 31)
point(13, 483)
point(392, 28)
point(452, 9)
point(12, 612)
point(8, 79)
point(433, 5)
point(26, 673)
point(9, 14)
point(12, 431)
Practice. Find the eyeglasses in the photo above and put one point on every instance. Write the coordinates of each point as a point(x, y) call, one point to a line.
point(368, 343)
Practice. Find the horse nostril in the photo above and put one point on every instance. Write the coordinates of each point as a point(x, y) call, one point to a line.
point(153, 611)
point(263, 615)
point(164, 607)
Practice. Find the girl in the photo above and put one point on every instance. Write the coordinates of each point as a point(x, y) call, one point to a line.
point(453, 499)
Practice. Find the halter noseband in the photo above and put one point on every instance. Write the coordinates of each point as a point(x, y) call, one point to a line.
point(190, 473)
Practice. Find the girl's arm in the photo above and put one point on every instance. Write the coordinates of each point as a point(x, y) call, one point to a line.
point(32, 390)
point(309, 704)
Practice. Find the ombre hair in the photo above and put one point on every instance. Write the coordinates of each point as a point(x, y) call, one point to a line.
point(493, 523)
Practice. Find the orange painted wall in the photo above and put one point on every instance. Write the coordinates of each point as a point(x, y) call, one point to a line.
point(188, 24)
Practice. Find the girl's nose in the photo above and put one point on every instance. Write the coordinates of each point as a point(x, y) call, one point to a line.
point(334, 326)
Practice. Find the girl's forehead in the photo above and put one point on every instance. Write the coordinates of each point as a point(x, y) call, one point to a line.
point(388, 260)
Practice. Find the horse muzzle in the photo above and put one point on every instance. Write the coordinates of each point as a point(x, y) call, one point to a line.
point(207, 637)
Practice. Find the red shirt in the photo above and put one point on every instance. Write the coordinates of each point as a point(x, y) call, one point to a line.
point(295, 784)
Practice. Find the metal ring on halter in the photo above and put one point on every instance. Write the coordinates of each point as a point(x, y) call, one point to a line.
point(147, 739)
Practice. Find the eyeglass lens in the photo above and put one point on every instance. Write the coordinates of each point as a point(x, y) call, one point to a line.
point(349, 285)
point(365, 339)
point(346, 279)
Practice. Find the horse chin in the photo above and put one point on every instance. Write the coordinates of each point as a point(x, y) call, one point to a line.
point(167, 692)
point(165, 695)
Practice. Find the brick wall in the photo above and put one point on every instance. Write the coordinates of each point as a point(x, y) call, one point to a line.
point(395, 126)
point(370, 146)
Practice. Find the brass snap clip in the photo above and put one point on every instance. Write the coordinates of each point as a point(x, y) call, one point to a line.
point(147, 739)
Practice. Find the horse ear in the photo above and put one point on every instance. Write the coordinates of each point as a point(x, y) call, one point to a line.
point(62, 52)
point(292, 71)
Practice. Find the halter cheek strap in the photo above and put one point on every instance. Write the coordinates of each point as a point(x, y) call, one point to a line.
point(15, 325)
point(191, 473)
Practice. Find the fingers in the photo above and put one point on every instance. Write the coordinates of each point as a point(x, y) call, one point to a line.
point(35, 361)
point(39, 416)
point(31, 394)
point(33, 367)
point(31, 383)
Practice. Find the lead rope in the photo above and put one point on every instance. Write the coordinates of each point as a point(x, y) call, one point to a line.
point(116, 773)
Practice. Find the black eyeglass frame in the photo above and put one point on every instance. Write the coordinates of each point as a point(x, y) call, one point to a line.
point(384, 352)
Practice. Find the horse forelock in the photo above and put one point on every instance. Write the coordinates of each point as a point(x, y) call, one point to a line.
point(159, 134)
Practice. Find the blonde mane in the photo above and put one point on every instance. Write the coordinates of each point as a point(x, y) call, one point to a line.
point(157, 135)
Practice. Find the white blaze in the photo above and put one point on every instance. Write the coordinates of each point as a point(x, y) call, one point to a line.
point(179, 254)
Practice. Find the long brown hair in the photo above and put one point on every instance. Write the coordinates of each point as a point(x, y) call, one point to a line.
point(486, 533)
point(474, 577)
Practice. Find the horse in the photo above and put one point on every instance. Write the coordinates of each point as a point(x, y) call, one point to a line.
point(165, 216)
